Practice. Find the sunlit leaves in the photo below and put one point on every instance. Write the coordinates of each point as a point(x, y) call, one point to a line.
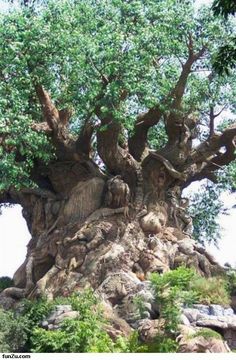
point(124, 56)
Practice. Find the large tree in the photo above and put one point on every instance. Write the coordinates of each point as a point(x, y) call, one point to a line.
point(109, 109)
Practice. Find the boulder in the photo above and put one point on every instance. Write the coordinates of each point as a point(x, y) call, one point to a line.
point(7, 302)
point(212, 323)
point(184, 320)
point(189, 342)
point(116, 326)
point(191, 314)
point(148, 329)
point(203, 309)
point(66, 315)
point(186, 246)
point(63, 308)
point(229, 312)
point(216, 310)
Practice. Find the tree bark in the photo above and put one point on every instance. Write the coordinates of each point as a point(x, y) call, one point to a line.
point(93, 233)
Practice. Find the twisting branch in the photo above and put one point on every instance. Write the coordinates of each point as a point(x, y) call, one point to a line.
point(174, 120)
point(83, 142)
point(212, 117)
point(104, 78)
point(116, 158)
point(56, 126)
point(138, 141)
point(169, 167)
point(212, 155)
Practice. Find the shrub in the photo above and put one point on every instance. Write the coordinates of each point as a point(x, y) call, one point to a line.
point(84, 334)
point(13, 334)
point(81, 301)
point(207, 334)
point(179, 277)
point(170, 293)
point(32, 313)
point(231, 281)
point(5, 282)
point(35, 311)
point(180, 287)
point(211, 290)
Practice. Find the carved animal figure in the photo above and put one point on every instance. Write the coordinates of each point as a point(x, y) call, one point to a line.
point(118, 193)
point(84, 199)
point(178, 210)
point(155, 219)
point(187, 222)
point(139, 189)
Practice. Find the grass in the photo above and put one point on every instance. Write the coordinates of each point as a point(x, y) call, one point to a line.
point(207, 334)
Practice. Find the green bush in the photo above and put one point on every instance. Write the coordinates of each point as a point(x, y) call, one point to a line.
point(207, 334)
point(179, 277)
point(79, 300)
point(211, 290)
point(13, 333)
point(35, 311)
point(170, 294)
point(231, 281)
point(178, 288)
point(75, 335)
point(5, 282)
point(84, 334)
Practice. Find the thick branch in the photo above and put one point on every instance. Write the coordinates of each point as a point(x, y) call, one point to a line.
point(209, 148)
point(174, 121)
point(5, 197)
point(83, 143)
point(114, 156)
point(212, 117)
point(138, 141)
point(56, 126)
point(50, 112)
point(212, 154)
point(169, 167)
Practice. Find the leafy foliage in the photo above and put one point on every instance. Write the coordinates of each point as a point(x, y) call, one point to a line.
point(205, 206)
point(231, 281)
point(70, 47)
point(225, 58)
point(227, 53)
point(224, 7)
point(13, 333)
point(170, 291)
point(84, 334)
point(207, 334)
point(5, 282)
point(35, 311)
point(211, 291)
point(183, 287)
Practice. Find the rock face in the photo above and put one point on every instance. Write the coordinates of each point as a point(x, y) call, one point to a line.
point(190, 342)
point(216, 317)
point(58, 315)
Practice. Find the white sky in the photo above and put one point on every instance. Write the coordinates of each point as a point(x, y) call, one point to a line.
point(14, 235)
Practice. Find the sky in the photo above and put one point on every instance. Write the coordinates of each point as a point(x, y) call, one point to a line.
point(14, 235)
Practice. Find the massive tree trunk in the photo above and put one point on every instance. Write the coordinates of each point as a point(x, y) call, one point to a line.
point(102, 231)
